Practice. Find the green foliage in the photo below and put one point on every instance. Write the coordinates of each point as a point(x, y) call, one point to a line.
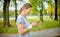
point(51, 9)
point(35, 4)
point(34, 13)
point(34, 9)
point(38, 4)
point(50, 2)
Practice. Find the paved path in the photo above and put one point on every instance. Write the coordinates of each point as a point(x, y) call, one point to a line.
point(42, 33)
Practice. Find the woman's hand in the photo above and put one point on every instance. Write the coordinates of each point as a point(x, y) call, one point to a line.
point(34, 24)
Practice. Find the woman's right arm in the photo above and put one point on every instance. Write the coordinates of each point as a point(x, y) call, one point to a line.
point(21, 29)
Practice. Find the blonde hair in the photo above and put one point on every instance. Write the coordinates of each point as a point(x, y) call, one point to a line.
point(26, 6)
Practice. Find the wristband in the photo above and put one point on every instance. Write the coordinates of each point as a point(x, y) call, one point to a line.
point(30, 27)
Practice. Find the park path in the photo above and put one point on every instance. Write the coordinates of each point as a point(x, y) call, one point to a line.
point(42, 33)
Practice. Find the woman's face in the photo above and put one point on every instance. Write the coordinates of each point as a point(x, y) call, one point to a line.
point(27, 11)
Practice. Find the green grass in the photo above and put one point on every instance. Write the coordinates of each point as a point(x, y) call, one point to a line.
point(47, 24)
point(8, 30)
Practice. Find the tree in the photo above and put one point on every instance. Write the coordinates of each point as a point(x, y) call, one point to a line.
point(51, 10)
point(41, 12)
point(56, 17)
point(6, 13)
point(39, 6)
point(51, 3)
point(15, 10)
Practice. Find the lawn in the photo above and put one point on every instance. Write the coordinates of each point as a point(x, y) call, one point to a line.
point(47, 24)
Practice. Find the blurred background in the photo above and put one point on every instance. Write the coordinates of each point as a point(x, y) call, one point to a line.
point(47, 11)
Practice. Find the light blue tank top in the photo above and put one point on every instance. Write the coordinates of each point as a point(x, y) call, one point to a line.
point(22, 19)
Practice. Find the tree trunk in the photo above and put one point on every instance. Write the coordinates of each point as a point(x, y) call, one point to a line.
point(41, 13)
point(56, 17)
point(15, 10)
point(6, 13)
point(59, 14)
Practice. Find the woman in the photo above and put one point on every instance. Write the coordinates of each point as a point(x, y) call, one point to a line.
point(23, 25)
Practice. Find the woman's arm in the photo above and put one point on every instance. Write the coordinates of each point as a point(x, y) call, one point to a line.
point(21, 29)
